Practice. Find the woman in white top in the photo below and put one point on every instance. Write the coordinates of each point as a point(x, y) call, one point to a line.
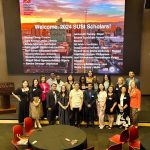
point(123, 99)
point(101, 105)
point(106, 81)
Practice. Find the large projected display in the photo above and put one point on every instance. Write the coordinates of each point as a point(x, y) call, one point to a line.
point(72, 36)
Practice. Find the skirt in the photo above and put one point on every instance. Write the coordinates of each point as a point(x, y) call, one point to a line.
point(35, 112)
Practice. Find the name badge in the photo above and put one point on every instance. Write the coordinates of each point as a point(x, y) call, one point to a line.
point(116, 88)
point(125, 98)
point(110, 98)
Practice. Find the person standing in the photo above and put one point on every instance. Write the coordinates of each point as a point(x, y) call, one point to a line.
point(59, 83)
point(83, 87)
point(123, 102)
point(76, 102)
point(106, 81)
point(36, 110)
point(119, 85)
point(132, 78)
point(52, 79)
point(101, 105)
point(52, 104)
point(23, 96)
point(89, 99)
point(111, 103)
point(135, 103)
point(95, 87)
point(82, 83)
point(70, 83)
point(95, 83)
point(63, 105)
point(89, 78)
point(45, 89)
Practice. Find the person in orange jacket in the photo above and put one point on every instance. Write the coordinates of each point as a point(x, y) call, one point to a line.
point(135, 103)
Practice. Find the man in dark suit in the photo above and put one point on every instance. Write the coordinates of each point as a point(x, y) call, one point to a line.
point(52, 104)
point(89, 99)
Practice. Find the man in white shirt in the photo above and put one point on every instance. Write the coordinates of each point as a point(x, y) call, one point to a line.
point(59, 83)
point(51, 80)
point(76, 102)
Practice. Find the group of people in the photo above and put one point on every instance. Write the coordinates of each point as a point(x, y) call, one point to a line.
point(87, 100)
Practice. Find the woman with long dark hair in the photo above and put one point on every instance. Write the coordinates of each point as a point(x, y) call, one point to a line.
point(111, 103)
point(70, 83)
point(106, 81)
point(101, 104)
point(22, 94)
point(36, 111)
point(82, 83)
point(63, 105)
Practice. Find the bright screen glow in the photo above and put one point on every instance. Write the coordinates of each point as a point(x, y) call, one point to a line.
point(72, 36)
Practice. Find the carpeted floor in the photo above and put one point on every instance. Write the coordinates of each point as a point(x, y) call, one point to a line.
point(95, 137)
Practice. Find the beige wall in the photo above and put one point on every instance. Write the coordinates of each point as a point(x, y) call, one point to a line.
point(145, 56)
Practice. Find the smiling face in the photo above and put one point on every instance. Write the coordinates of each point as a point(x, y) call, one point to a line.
point(63, 88)
point(131, 74)
point(133, 85)
point(90, 86)
point(123, 89)
point(52, 75)
point(58, 78)
point(25, 84)
point(70, 78)
point(110, 89)
point(43, 79)
point(90, 73)
point(76, 87)
point(106, 78)
point(54, 86)
point(101, 87)
point(120, 80)
point(35, 82)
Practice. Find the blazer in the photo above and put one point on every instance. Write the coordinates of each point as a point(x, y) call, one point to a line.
point(87, 99)
point(51, 99)
point(137, 82)
point(126, 100)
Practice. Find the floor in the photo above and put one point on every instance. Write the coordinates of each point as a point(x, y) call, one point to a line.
point(95, 137)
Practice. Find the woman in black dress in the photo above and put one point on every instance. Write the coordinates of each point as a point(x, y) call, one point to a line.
point(63, 106)
point(83, 87)
point(110, 106)
point(22, 95)
point(36, 111)
point(82, 83)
